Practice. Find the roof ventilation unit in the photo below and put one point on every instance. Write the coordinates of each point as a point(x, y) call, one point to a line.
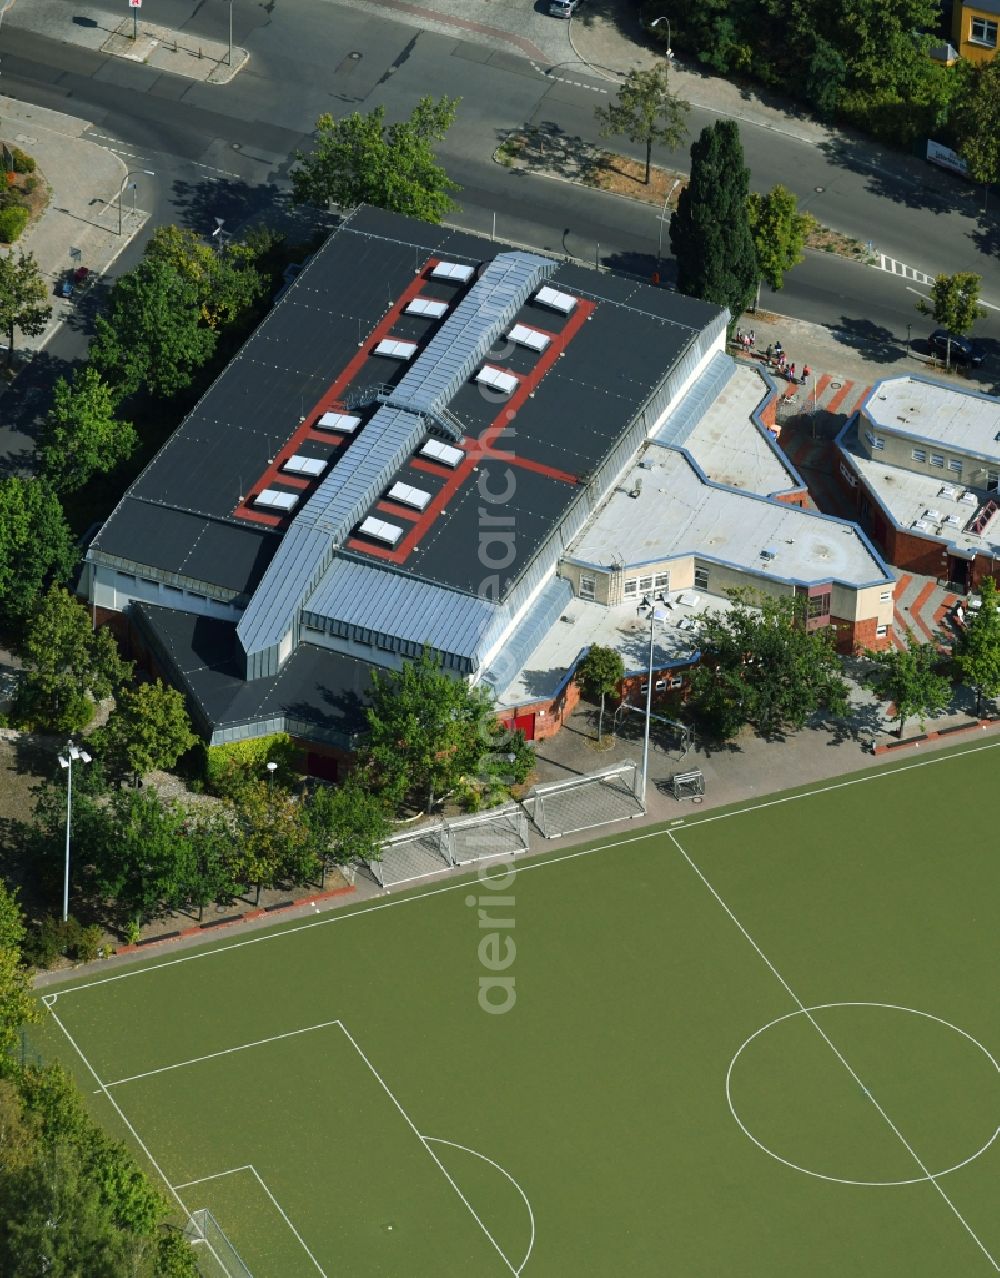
point(379, 530)
point(443, 453)
point(534, 339)
point(457, 272)
point(310, 467)
point(969, 498)
point(496, 379)
point(275, 499)
point(427, 307)
point(768, 555)
point(949, 491)
point(344, 423)
point(555, 300)
point(406, 495)
point(933, 515)
point(393, 348)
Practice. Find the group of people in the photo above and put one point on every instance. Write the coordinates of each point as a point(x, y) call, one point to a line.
point(774, 356)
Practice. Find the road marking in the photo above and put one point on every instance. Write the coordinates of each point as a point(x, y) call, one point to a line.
point(899, 268)
point(927, 298)
point(562, 79)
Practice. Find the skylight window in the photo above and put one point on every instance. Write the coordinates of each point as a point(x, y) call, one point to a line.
point(345, 423)
point(426, 306)
point(275, 499)
point(457, 272)
point(443, 453)
point(497, 379)
point(532, 338)
point(392, 348)
point(406, 495)
point(555, 300)
point(379, 530)
point(310, 467)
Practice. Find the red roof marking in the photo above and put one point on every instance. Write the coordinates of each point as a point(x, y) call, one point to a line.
point(581, 313)
point(839, 398)
point(917, 605)
point(389, 507)
point(541, 469)
point(331, 395)
point(861, 399)
point(901, 585)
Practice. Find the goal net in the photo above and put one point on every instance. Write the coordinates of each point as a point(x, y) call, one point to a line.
point(563, 807)
point(485, 835)
point(217, 1257)
point(411, 855)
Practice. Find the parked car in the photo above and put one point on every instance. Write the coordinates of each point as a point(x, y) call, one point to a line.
point(563, 8)
point(962, 350)
point(74, 280)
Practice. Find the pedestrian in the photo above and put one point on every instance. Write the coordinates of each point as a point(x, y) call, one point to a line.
point(768, 354)
point(739, 337)
point(778, 349)
point(791, 372)
point(806, 372)
point(751, 340)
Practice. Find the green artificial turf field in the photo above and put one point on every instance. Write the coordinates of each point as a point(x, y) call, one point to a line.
point(756, 1043)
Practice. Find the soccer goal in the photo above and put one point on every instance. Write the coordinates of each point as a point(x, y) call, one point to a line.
point(411, 855)
point(563, 807)
point(498, 832)
point(217, 1257)
point(687, 785)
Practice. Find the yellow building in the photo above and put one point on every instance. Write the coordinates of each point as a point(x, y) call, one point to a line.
point(974, 28)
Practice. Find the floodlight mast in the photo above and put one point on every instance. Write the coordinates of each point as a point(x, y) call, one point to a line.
point(654, 616)
point(73, 754)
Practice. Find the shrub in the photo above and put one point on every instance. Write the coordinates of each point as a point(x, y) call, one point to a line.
point(227, 767)
point(30, 184)
point(52, 938)
point(13, 220)
point(89, 944)
point(23, 162)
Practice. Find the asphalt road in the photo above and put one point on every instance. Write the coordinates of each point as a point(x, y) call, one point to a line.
point(223, 151)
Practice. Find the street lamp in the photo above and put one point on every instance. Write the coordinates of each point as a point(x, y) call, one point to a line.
point(669, 54)
point(663, 218)
point(121, 193)
point(66, 761)
point(272, 767)
point(655, 614)
point(229, 60)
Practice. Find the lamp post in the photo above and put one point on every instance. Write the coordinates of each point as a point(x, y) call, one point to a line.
point(272, 767)
point(229, 60)
point(669, 55)
point(121, 192)
point(655, 614)
point(73, 753)
point(663, 218)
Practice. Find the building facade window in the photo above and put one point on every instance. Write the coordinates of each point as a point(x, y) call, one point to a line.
point(955, 466)
point(992, 481)
point(631, 588)
point(983, 31)
point(818, 606)
point(919, 454)
point(875, 441)
point(881, 632)
point(701, 579)
point(885, 596)
point(662, 581)
point(848, 474)
point(645, 585)
point(937, 459)
point(588, 586)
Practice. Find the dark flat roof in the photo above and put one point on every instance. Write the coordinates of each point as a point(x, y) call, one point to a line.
point(179, 514)
point(324, 690)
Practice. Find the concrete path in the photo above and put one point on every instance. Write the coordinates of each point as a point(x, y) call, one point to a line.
point(80, 225)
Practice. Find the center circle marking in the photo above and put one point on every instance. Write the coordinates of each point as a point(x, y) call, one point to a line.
point(843, 1180)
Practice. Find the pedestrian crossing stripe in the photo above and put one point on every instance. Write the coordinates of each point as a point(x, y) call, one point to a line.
point(905, 272)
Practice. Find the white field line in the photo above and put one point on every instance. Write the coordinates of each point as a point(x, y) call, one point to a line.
point(438, 1140)
point(226, 1051)
point(135, 1135)
point(441, 1167)
point(518, 868)
point(203, 1180)
point(284, 1216)
point(807, 1012)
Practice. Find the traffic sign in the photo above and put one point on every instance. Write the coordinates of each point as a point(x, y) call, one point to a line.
point(135, 4)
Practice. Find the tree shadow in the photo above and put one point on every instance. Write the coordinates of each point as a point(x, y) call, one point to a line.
point(872, 340)
point(935, 192)
point(241, 204)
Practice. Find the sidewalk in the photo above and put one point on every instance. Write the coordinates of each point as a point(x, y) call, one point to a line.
point(107, 31)
point(80, 225)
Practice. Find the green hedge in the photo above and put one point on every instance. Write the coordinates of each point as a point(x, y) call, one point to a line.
point(23, 162)
point(228, 766)
point(13, 220)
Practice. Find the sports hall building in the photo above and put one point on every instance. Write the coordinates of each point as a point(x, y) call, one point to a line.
point(435, 440)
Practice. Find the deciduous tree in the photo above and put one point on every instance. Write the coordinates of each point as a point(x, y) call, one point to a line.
point(152, 335)
point(909, 678)
point(148, 728)
point(362, 160)
point(761, 665)
point(36, 546)
point(977, 652)
point(68, 666)
point(81, 435)
point(17, 1007)
point(975, 119)
point(646, 111)
point(427, 730)
point(710, 229)
point(347, 821)
point(599, 673)
point(22, 298)
point(779, 234)
point(225, 281)
point(954, 304)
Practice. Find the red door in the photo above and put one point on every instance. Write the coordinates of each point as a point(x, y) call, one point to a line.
point(525, 723)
